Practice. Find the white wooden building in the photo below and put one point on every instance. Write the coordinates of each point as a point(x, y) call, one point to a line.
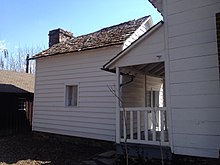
point(182, 52)
point(160, 86)
point(71, 90)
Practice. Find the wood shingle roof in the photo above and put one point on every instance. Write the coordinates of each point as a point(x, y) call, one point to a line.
point(109, 36)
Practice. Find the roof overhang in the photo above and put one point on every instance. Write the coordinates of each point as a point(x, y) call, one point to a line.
point(81, 50)
point(158, 5)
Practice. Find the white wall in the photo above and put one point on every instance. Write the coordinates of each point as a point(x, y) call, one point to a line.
point(194, 80)
point(95, 115)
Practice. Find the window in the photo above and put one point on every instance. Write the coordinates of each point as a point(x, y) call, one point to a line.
point(21, 104)
point(152, 98)
point(71, 95)
point(218, 38)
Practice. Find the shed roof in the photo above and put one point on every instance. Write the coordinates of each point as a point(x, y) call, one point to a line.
point(113, 35)
point(11, 79)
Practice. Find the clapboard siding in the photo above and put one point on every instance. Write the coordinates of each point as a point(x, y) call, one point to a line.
point(193, 73)
point(197, 126)
point(196, 75)
point(204, 24)
point(95, 113)
point(200, 62)
point(218, 38)
point(197, 50)
point(64, 131)
point(86, 79)
point(195, 101)
point(192, 38)
point(197, 141)
point(184, 6)
point(73, 128)
point(212, 114)
point(76, 119)
point(79, 124)
point(133, 93)
point(196, 151)
point(195, 88)
point(195, 13)
point(84, 109)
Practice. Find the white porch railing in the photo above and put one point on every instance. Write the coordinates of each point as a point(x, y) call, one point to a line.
point(144, 125)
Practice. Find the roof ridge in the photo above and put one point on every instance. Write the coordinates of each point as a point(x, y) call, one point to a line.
point(109, 27)
point(108, 36)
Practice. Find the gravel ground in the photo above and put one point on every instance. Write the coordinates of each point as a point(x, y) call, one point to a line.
point(38, 148)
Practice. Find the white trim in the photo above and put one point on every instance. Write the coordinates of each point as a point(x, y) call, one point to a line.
point(138, 33)
point(117, 113)
point(158, 143)
point(167, 78)
point(71, 83)
point(34, 106)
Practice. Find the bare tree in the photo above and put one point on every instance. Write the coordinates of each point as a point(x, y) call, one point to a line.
point(17, 60)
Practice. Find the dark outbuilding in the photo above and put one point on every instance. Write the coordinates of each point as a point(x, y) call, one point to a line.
point(16, 95)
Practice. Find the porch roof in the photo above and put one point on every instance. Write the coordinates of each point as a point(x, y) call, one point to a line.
point(111, 64)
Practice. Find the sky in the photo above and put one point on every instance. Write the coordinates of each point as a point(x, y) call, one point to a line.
point(26, 23)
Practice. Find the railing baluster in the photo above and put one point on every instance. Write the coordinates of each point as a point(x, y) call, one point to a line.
point(162, 125)
point(138, 125)
point(154, 123)
point(131, 125)
point(124, 125)
point(146, 125)
point(151, 121)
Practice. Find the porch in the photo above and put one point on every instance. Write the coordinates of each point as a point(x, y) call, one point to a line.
point(141, 116)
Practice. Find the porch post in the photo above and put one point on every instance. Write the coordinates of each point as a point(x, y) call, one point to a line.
point(117, 92)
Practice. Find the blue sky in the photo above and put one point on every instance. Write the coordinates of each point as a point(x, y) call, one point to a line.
point(26, 23)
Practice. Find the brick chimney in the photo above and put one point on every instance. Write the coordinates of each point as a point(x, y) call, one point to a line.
point(58, 35)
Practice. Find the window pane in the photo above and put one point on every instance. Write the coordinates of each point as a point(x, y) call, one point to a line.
point(22, 104)
point(71, 95)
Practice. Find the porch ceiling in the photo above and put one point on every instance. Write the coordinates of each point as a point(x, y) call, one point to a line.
point(151, 69)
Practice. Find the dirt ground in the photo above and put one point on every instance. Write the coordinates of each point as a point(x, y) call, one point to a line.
point(36, 149)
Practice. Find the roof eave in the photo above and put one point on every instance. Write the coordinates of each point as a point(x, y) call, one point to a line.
point(155, 7)
point(60, 53)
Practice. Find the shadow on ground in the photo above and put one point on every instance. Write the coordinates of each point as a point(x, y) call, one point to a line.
point(37, 148)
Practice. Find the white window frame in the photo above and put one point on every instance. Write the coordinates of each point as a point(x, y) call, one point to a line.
point(66, 96)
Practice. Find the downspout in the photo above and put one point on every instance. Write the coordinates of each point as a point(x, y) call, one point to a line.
point(128, 82)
